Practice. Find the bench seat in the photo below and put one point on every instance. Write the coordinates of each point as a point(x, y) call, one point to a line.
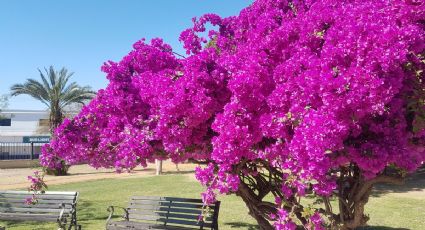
point(59, 207)
point(170, 213)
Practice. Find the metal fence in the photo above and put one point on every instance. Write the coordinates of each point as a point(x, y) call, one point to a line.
point(18, 151)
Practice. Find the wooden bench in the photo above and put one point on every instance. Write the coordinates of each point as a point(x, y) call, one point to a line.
point(59, 207)
point(144, 212)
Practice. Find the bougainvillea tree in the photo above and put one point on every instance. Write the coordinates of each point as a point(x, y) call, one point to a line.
point(289, 99)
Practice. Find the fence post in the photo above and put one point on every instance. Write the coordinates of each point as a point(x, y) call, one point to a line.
point(32, 150)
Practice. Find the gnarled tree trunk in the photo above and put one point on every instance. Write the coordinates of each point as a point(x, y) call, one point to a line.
point(354, 192)
point(257, 208)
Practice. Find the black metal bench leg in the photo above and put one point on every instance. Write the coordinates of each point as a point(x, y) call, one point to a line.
point(74, 222)
point(61, 225)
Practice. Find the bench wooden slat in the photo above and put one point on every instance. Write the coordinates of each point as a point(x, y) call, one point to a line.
point(155, 198)
point(173, 210)
point(47, 192)
point(166, 204)
point(28, 217)
point(158, 215)
point(170, 221)
point(163, 214)
point(129, 224)
point(38, 205)
point(184, 222)
point(42, 196)
point(40, 201)
point(121, 225)
point(33, 210)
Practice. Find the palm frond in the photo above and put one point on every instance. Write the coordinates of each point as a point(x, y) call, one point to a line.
point(32, 90)
point(76, 94)
point(54, 89)
point(46, 84)
point(52, 76)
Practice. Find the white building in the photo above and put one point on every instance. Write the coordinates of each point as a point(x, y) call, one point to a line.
point(22, 133)
point(17, 124)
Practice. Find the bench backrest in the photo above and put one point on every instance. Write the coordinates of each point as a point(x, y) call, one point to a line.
point(173, 211)
point(48, 203)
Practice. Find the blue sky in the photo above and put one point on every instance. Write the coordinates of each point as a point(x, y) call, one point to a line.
point(80, 35)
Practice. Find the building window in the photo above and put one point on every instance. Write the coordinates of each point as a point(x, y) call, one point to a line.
point(5, 122)
point(43, 122)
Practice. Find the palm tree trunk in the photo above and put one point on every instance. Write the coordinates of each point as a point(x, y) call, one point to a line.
point(56, 118)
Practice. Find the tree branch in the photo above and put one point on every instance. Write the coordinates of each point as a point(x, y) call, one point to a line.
point(379, 179)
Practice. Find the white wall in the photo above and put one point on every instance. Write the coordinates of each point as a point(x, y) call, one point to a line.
point(24, 123)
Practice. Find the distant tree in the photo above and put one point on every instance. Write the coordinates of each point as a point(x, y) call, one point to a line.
point(72, 110)
point(55, 91)
point(3, 102)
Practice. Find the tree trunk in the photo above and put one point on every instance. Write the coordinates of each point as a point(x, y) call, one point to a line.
point(56, 118)
point(257, 211)
point(358, 218)
point(352, 206)
point(63, 171)
point(158, 167)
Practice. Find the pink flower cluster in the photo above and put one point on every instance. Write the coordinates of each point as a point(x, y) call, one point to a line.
point(307, 86)
point(37, 186)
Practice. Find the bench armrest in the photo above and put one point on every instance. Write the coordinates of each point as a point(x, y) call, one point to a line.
point(111, 210)
point(60, 218)
point(62, 206)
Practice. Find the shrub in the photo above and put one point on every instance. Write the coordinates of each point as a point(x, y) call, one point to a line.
point(289, 98)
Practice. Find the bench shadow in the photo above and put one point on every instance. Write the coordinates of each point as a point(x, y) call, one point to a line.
point(380, 228)
point(34, 225)
point(90, 213)
point(241, 225)
point(414, 182)
point(178, 172)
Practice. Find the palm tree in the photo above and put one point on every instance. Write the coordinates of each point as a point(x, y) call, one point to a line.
point(54, 91)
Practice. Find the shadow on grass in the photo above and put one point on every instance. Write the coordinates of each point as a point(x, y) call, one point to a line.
point(380, 228)
point(91, 212)
point(112, 172)
point(241, 225)
point(34, 225)
point(414, 182)
point(179, 172)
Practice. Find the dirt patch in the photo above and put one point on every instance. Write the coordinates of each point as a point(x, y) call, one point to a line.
point(17, 178)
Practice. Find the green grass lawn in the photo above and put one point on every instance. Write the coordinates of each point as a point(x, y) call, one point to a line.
point(387, 210)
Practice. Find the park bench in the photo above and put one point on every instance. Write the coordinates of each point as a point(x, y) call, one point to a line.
point(59, 207)
point(172, 213)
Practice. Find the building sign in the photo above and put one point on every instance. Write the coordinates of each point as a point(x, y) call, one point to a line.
point(36, 139)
